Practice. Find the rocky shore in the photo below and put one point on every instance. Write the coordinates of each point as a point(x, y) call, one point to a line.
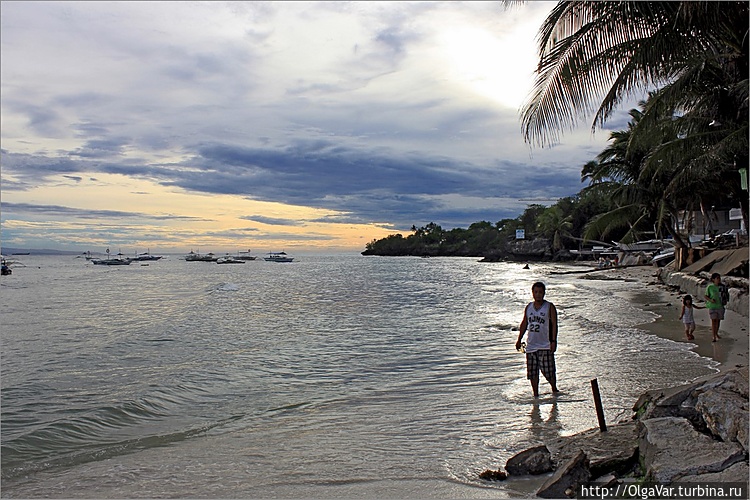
point(694, 433)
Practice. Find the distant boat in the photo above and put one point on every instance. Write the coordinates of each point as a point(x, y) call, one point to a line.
point(146, 256)
point(112, 262)
point(278, 257)
point(5, 270)
point(118, 261)
point(197, 257)
point(246, 256)
point(228, 259)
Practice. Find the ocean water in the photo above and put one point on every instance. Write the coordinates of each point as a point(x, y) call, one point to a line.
point(334, 376)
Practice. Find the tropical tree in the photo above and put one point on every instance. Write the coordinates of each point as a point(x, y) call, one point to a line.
point(594, 55)
point(554, 225)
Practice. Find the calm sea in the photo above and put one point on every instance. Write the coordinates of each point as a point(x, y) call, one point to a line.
point(330, 377)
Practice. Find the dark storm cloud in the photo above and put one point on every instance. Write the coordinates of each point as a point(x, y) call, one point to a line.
point(365, 186)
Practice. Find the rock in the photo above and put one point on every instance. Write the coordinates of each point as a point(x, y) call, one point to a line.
point(535, 460)
point(567, 479)
point(725, 414)
point(670, 448)
point(605, 481)
point(613, 451)
point(493, 475)
point(738, 473)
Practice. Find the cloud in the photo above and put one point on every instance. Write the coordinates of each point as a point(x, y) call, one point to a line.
point(56, 211)
point(375, 113)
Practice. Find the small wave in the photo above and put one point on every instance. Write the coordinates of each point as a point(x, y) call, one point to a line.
point(227, 287)
point(91, 452)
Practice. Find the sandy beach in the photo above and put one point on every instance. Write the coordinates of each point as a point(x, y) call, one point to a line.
point(731, 351)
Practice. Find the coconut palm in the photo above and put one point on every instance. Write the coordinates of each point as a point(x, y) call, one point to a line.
point(553, 224)
point(593, 55)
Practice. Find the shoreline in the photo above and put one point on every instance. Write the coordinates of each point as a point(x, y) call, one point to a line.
point(731, 351)
point(694, 432)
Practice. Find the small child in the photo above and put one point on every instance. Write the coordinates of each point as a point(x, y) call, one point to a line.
point(687, 316)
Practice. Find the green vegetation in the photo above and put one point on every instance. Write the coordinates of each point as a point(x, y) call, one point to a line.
point(683, 150)
point(556, 228)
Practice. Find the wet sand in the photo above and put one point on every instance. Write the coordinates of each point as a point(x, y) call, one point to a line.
point(731, 351)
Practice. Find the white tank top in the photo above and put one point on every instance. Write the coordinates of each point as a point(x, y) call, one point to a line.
point(537, 326)
point(687, 316)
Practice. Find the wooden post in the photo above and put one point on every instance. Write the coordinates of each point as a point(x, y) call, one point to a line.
point(598, 405)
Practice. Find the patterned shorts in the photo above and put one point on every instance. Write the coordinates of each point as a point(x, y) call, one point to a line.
point(543, 360)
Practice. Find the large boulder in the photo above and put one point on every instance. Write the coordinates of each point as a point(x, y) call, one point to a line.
point(737, 473)
point(535, 460)
point(613, 451)
point(565, 482)
point(670, 448)
point(726, 415)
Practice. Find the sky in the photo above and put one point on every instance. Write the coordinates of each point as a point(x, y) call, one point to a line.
point(295, 126)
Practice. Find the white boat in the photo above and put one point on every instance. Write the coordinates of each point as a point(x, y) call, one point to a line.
point(146, 256)
point(645, 246)
point(197, 257)
point(663, 258)
point(278, 257)
point(228, 259)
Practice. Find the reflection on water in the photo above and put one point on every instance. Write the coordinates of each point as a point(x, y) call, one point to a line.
point(544, 420)
point(268, 380)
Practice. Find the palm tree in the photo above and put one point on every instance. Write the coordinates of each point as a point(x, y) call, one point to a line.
point(553, 224)
point(640, 202)
point(593, 55)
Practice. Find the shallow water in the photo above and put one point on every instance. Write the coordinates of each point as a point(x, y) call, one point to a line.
point(330, 377)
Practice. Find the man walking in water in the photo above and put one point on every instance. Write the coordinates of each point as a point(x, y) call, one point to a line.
point(540, 319)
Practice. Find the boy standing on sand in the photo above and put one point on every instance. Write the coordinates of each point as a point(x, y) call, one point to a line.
point(540, 319)
point(714, 305)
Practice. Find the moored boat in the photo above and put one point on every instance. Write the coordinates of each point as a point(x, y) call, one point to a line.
point(111, 262)
point(278, 257)
point(197, 257)
point(120, 260)
point(246, 256)
point(5, 270)
point(228, 259)
point(145, 256)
